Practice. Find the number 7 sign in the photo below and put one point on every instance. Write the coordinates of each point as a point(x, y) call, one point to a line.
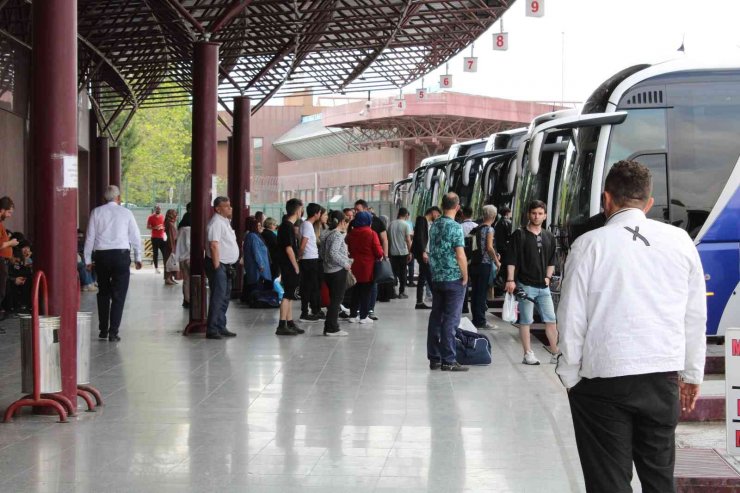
point(535, 8)
point(471, 64)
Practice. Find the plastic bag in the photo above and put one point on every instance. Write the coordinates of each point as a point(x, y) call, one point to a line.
point(278, 288)
point(509, 313)
point(172, 265)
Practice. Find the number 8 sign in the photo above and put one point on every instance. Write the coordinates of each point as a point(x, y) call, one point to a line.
point(445, 81)
point(501, 41)
point(535, 8)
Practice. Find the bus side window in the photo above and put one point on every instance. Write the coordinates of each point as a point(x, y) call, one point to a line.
point(657, 164)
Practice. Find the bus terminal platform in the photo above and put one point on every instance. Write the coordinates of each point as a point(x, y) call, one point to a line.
point(262, 413)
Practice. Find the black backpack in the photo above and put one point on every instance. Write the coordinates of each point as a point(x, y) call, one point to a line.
point(474, 246)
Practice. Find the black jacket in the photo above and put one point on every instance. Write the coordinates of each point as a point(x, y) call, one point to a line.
point(421, 237)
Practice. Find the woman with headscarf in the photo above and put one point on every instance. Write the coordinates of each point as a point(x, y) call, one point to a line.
point(365, 250)
point(171, 230)
point(182, 255)
point(269, 235)
point(256, 259)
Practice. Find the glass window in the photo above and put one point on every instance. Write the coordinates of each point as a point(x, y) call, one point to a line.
point(656, 163)
point(703, 124)
point(643, 130)
point(257, 155)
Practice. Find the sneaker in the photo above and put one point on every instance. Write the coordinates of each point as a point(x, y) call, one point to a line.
point(354, 320)
point(284, 330)
point(292, 325)
point(371, 316)
point(309, 318)
point(486, 326)
point(530, 359)
point(422, 306)
point(339, 333)
point(435, 365)
point(454, 367)
point(366, 320)
point(403, 296)
point(554, 359)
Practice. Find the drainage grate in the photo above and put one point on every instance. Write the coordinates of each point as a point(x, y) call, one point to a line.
point(699, 470)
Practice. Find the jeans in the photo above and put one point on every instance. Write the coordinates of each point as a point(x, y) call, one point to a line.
point(220, 285)
point(361, 299)
point(543, 299)
point(444, 319)
point(113, 268)
point(337, 283)
point(158, 244)
point(479, 280)
point(411, 270)
point(398, 262)
point(425, 276)
point(310, 285)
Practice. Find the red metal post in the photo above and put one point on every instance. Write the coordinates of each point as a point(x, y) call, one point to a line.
point(239, 174)
point(92, 164)
point(205, 119)
point(115, 166)
point(102, 162)
point(54, 162)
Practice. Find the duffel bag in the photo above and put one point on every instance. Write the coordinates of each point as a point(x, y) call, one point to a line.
point(472, 348)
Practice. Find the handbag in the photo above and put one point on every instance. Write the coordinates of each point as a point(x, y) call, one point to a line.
point(171, 265)
point(383, 273)
point(351, 280)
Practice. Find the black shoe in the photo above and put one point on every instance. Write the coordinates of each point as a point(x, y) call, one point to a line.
point(454, 367)
point(292, 325)
point(372, 316)
point(213, 336)
point(422, 306)
point(343, 315)
point(321, 315)
point(226, 333)
point(103, 336)
point(186, 304)
point(403, 296)
point(114, 338)
point(284, 330)
point(435, 365)
point(309, 319)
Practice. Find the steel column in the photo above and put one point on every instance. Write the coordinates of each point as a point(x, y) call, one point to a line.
point(115, 166)
point(54, 150)
point(92, 164)
point(205, 119)
point(239, 173)
point(102, 163)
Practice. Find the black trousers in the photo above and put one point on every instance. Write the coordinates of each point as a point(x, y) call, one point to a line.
point(113, 269)
point(361, 299)
point(624, 419)
point(4, 278)
point(158, 244)
point(310, 285)
point(425, 276)
point(337, 283)
point(399, 265)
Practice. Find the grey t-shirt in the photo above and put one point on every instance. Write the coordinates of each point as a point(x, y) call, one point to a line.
point(397, 232)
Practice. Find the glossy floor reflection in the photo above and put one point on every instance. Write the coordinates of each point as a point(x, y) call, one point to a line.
point(310, 413)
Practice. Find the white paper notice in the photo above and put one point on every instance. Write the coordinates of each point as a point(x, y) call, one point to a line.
point(69, 165)
point(247, 199)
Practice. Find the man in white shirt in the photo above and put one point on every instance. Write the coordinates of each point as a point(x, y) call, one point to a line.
point(632, 319)
point(399, 246)
point(111, 233)
point(222, 255)
point(310, 266)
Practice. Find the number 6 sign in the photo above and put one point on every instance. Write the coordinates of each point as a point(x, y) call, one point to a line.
point(471, 64)
point(535, 8)
point(501, 41)
point(445, 81)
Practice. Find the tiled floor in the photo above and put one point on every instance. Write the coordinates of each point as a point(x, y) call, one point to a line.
point(310, 413)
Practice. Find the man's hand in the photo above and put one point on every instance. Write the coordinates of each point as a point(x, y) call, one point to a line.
point(89, 267)
point(547, 282)
point(510, 287)
point(425, 257)
point(409, 257)
point(11, 243)
point(689, 393)
point(465, 280)
point(137, 264)
point(297, 270)
point(20, 281)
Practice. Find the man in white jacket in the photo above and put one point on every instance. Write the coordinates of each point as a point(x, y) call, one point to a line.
point(632, 321)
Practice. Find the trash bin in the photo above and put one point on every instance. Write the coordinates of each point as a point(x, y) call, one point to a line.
point(84, 326)
point(49, 362)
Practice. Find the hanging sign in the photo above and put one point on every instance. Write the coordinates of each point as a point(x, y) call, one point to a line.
point(445, 81)
point(471, 64)
point(400, 104)
point(501, 41)
point(421, 94)
point(535, 8)
point(732, 391)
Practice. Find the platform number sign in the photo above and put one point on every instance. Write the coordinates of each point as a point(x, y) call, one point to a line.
point(421, 94)
point(400, 104)
point(445, 81)
point(501, 41)
point(535, 8)
point(732, 389)
point(471, 64)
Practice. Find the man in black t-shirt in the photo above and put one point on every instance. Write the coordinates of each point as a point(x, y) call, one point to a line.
point(530, 262)
point(290, 272)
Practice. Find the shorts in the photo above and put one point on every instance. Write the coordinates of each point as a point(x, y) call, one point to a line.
point(543, 299)
point(290, 281)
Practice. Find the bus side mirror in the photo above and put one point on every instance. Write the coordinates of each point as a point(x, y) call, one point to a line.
point(519, 164)
point(535, 152)
point(466, 173)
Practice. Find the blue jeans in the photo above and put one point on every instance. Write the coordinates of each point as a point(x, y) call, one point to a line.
point(444, 319)
point(479, 280)
point(543, 299)
point(85, 277)
point(220, 286)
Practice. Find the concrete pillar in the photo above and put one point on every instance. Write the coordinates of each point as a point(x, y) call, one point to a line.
point(102, 165)
point(239, 175)
point(204, 152)
point(114, 154)
point(54, 150)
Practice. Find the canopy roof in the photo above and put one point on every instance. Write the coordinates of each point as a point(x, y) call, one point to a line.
point(135, 53)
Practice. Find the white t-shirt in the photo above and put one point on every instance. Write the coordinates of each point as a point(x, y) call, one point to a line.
point(311, 251)
point(219, 229)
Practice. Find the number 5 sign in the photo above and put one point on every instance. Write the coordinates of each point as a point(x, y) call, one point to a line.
point(471, 64)
point(445, 81)
point(535, 8)
point(501, 41)
point(421, 94)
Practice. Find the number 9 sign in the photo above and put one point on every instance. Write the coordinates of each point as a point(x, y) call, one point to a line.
point(501, 41)
point(535, 8)
point(445, 81)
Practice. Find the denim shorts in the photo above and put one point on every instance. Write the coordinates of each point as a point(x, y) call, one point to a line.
point(543, 299)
